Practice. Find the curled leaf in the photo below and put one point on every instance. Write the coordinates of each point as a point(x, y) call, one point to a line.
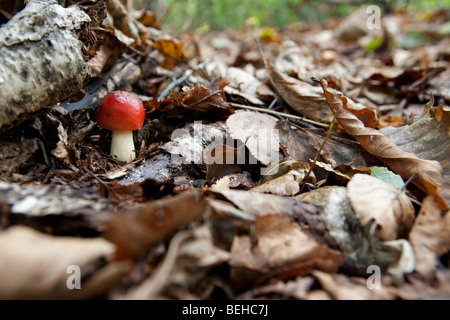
point(372, 198)
point(429, 173)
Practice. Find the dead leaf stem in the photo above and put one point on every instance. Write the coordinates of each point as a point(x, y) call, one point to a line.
point(180, 80)
point(330, 129)
point(277, 113)
point(101, 182)
point(154, 284)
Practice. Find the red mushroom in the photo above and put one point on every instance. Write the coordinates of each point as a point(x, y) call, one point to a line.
point(121, 112)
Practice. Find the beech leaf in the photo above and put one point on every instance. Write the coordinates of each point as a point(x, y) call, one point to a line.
point(429, 173)
point(391, 209)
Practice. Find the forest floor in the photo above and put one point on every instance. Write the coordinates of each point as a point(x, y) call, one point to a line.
point(304, 162)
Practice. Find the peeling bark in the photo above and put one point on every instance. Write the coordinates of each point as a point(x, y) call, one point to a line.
point(41, 59)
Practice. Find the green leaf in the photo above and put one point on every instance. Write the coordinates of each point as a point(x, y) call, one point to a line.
point(412, 40)
point(374, 43)
point(388, 176)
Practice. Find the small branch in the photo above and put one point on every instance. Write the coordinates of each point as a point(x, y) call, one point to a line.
point(100, 181)
point(277, 113)
point(317, 156)
point(181, 79)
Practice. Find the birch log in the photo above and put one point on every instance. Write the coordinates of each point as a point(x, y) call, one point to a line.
point(41, 61)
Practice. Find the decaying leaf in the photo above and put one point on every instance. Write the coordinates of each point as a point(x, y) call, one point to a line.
point(285, 185)
point(372, 198)
point(361, 246)
point(243, 84)
point(295, 289)
point(170, 48)
point(136, 230)
point(303, 145)
point(285, 165)
point(188, 143)
point(190, 256)
point(429, 173)
point(222, 160)
point(430, 237)
point(34, 265)
point(257, 204)
point(195, 98)
point(304, 98)
point(352, 288)
point(241, 180)
point(257, 131)
point(281, 250)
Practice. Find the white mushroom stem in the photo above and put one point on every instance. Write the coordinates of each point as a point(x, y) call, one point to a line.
point(122, 145)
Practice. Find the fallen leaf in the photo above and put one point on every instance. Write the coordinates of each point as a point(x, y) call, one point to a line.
point(303, 144)
point(241, 180)
point(285, 185)
point(188, 143)
point(285, 165)
point(34, 265)
point(295, 289)
point(134, 231)
point(257, 204)
point(388, 176)
point(372, 198)
point(304, 98)
point(272, 255)
point(360, 245)
point(243, 84)
point(195, 98)
point(190, 256)
point(222, 160)
point(170, 48)
point(430, 237)
point(341, 287)
point(429, 173)
point(257, 131)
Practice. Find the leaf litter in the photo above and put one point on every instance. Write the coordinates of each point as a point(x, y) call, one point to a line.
point(212, 207)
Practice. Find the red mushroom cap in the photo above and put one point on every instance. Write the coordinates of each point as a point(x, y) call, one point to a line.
point(120, 111)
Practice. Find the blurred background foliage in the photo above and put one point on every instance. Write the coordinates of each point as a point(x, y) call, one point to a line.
point(205, 15)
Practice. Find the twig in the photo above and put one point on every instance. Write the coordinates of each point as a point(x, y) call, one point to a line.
point(317, 156)
point(277, 113)
point(100, 181)
point(181, 79)
point(154, 284)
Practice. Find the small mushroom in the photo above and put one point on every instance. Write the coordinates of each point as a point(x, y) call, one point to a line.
point(121, 112)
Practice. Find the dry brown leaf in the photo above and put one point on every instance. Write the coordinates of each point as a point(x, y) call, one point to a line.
point(304, 98)
point(240, 180)
point(359, 243)
point(170, 48)
point(190, 256)
point(136, 230)
point(295, 289)
point(281, 250)
point(222, 160)
point(196, 98)
point(256, 203)
point(303, 144)
point(34, 265)
point(429, 173)
point(285, 185)
point(341, 287)
point(257, 131)
point(430, 237)
point(372, 198)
